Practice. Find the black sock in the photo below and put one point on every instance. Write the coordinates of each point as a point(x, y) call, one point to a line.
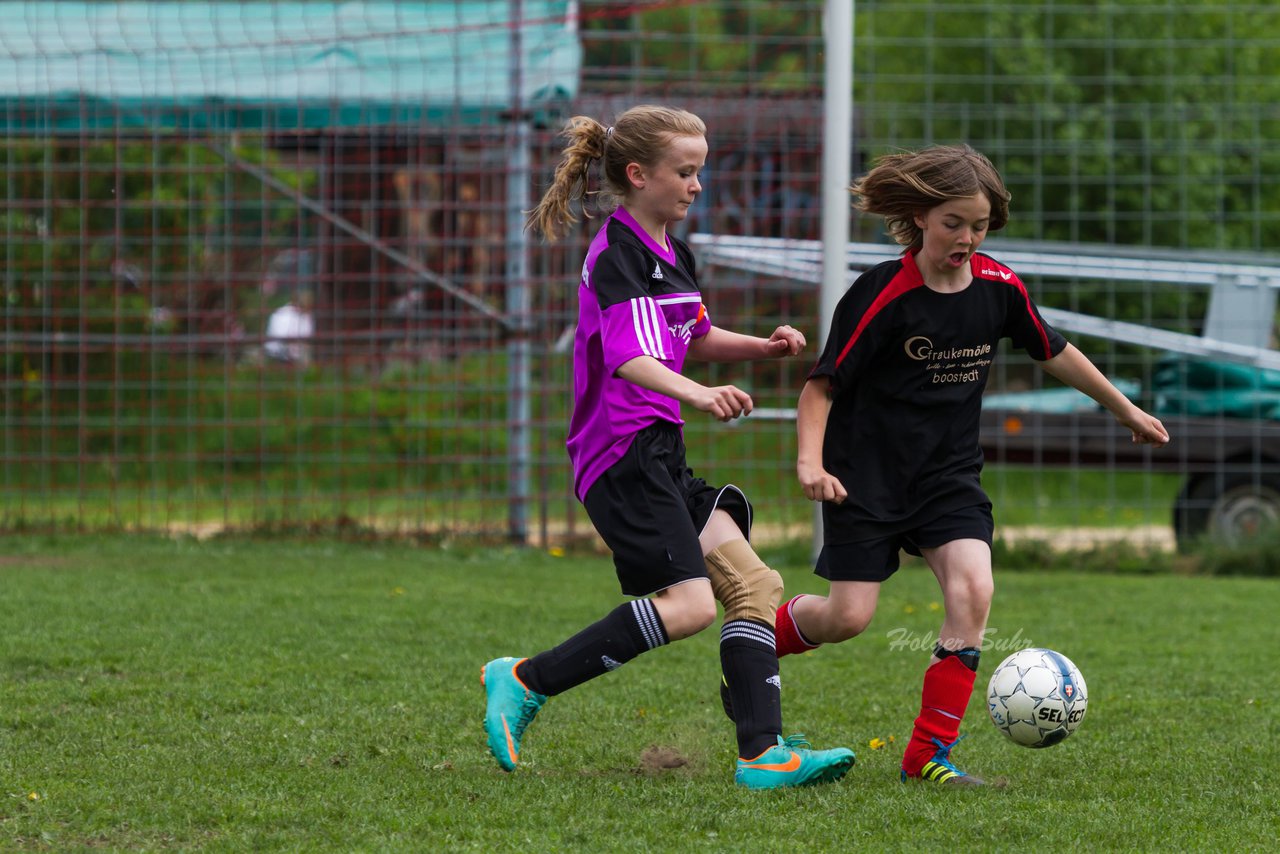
point(750, 664)
point(606, 645)
point(969, 656)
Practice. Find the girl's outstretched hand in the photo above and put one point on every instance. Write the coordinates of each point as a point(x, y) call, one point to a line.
point(725, 402)
point(1146, 429)
point(785, 341)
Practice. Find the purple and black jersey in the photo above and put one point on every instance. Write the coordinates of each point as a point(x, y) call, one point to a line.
point(635, 298)
point(908, 366)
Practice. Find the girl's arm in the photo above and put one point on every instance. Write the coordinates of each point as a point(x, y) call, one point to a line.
point(811, 428)
point(1074, 368)
point(721, 345)
point(725, 402)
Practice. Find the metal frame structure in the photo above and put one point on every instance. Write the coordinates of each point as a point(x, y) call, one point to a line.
point(1242, 301)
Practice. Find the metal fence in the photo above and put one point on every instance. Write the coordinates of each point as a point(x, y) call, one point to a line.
point(263, 264)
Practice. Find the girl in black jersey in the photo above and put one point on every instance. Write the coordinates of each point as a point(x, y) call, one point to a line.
point(888, 424)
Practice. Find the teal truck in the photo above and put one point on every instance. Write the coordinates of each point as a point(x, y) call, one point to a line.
point(1224, 419)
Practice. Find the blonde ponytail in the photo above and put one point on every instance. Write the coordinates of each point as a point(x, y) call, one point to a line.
point(639, 135)
point(554, 214)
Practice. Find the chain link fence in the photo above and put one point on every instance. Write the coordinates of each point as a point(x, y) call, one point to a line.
point(263, 265)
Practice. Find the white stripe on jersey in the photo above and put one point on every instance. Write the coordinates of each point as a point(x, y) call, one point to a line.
point(638, 318)
point(677, 299)
point(659, 325)
point(644, 315)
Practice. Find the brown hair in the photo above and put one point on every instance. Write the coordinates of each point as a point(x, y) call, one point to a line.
point(639, 135)
point(900, 186)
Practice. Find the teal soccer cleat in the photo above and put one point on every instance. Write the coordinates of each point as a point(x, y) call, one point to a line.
point(511, 708)
point(793, 763)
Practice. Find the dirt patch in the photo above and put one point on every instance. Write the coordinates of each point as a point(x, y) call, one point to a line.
point(655, 759)
point(199, 530)
point(582, 539)
point(1150, 538)
point(1153, 538)
point(33, 562)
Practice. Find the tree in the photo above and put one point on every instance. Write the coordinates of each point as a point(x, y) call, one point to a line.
point(1118, 122)
point(746, 46)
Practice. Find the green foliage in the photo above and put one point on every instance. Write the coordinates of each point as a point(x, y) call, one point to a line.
point(1074, 497)
point(761, 44)
point(1041, 555)
point(1125, 123)
point(1116, 122)
point(315, 695)
point(183, 421)
point(171, 212)
point(183, 432)
point(1257, 556)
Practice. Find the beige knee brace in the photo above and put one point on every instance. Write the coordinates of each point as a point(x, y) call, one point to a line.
point(747, 588)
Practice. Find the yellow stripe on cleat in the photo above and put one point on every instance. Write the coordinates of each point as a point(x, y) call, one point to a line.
point(936, 773)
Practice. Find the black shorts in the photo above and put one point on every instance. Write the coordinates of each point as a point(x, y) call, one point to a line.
point(877, 559)
point(650, 508)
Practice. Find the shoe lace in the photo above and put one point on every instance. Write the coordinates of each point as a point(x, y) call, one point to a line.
point(797, 741)
point(528, 708)
point(943, 756)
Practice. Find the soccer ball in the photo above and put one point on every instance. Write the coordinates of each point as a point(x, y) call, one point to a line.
point(1037, 697)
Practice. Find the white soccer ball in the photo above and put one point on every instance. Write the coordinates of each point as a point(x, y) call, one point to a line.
point(1037, 697)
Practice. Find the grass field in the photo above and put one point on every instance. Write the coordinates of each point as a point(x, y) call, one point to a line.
point(1022, 496)
point(238, 695)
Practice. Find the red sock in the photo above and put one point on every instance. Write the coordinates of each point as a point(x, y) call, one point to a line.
point(787, 636)
point(948, 685)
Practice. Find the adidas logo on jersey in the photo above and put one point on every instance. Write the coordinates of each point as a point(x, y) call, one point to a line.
point(775, 681)
point(657, 271)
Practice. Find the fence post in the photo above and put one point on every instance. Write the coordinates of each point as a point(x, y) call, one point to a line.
point(517, 291)
point(837, 143)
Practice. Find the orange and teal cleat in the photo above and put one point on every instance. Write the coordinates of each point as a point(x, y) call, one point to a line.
point(791, 762)
point(511, 708)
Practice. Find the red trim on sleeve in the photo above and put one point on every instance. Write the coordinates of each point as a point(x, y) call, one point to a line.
point(986, 267)
point(904, 280)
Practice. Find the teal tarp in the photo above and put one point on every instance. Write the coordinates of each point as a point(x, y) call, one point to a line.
point(73, 67)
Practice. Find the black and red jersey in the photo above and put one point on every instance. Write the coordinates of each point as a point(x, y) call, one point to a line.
point(908, 366)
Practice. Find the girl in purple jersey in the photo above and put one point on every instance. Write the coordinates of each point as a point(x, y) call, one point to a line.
point(888, 424)
point(678, 543)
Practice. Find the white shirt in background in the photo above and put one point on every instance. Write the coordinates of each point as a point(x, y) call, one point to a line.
point(288, 331)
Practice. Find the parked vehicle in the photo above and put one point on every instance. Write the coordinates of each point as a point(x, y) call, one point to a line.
point(1225, 422)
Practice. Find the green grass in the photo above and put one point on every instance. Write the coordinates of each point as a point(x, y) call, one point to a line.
point(241, 695)
point(1022, 495)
